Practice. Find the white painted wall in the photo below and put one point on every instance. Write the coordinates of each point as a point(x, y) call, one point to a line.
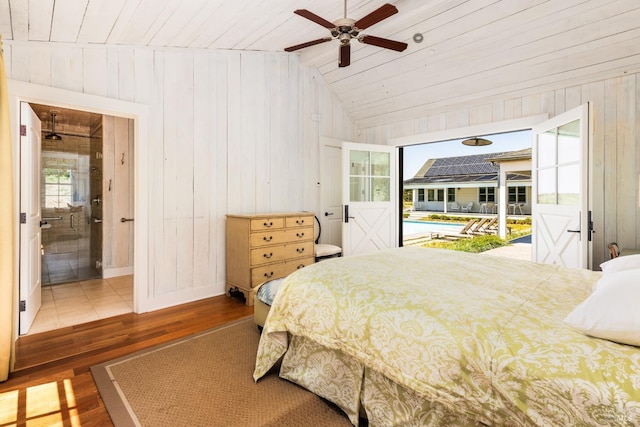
point(228, 132)
point(615, 153)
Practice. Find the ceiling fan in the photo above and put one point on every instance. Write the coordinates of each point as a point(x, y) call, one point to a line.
point(345, 29)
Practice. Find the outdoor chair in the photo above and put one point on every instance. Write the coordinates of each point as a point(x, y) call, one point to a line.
point(464, 232)
point(468, 207)
point(479, 227)
point(454, 207)
point(491, 227)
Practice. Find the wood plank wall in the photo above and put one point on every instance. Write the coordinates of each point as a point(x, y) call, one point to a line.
point(229, 132)
point(117, 195)
point(615, 148)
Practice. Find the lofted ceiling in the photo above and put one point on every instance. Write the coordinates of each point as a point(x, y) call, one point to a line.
point(473, 51)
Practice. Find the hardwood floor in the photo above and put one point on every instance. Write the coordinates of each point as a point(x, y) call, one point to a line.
point(52, 384)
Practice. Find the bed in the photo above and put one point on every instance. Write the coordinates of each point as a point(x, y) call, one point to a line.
point(416, 336)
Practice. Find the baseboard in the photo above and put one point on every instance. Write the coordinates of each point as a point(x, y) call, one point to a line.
point(107, 273)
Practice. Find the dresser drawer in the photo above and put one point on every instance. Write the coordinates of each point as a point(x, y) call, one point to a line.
point(272, 254)
point(275, 237)
point(299, 221)
point(280, 269)
point(266, 223)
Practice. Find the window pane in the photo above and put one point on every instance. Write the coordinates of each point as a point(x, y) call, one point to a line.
point(441, 194)
point(547, 149)
point(380, 164)
point(65, 190)
point(51, 190)
point(65, 177)
point(569, 185)
point(451, 197)
point(381, 187)
point(359, 162)
point(358, 189)
point(430, 194)
point(569, 142)
point(547, 186)
point(51, 175)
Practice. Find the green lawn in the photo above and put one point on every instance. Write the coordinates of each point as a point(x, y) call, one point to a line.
point(519, 228)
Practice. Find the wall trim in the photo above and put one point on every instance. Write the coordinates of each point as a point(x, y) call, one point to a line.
point(108, 273)
point(28, 92)
point(475, 130)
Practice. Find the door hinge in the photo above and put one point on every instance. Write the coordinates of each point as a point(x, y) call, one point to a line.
point(23, 217)
point(23, 130)
point(23, 305)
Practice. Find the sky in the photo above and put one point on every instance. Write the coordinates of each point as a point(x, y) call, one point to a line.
point(416, 155)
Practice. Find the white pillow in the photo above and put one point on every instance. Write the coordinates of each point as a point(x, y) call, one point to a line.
point(612, 311)
point(621, 263)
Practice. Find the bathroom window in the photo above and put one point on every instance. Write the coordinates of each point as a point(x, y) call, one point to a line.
point(65, 179)
point(58, 188)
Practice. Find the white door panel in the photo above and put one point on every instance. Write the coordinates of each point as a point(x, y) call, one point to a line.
point(30, 237)
point(560, 205)
point(330, 213)
point(369, 198)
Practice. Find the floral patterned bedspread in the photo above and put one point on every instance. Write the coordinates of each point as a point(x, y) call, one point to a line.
point(483, 336)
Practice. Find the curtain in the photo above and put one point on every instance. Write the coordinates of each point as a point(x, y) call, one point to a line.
point(7, 238)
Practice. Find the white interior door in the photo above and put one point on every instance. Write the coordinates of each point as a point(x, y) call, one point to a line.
point(369, 197)
point(330, 213)
point(560, 208)
point(30, 237)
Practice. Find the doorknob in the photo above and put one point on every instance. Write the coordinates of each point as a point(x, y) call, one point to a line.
point(573, 231)
point(346, 214)
point(328, 213)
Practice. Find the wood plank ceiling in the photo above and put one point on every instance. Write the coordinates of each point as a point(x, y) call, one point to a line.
point(474, 51)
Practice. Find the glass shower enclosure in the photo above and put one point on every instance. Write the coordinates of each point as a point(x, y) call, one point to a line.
point(71, 209)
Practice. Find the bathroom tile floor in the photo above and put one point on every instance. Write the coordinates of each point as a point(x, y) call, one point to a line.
point(81, 302)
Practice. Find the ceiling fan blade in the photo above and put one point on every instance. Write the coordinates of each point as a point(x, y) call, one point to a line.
point(345, 55)
point(307, 44)
point(383, 12)
point(385, 43)
point(315, 18)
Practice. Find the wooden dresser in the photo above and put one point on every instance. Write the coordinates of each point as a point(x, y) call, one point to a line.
point(264, 247)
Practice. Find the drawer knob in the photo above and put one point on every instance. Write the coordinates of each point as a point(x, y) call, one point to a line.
point(300, 266)
point(269, 255)
point(268, 275)
point(299, 250)
point(267, 238)
point(299, 221)
point(300, 234)
point(268, 224)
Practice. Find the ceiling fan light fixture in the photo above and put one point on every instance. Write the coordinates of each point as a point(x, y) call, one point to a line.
point(476, 142)
point(345, 29)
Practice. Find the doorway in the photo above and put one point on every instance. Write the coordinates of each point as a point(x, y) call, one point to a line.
point(449, 184)
point(85, 278)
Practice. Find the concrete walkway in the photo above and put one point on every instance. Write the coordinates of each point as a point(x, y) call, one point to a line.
point(514, 250)
point(518, 249)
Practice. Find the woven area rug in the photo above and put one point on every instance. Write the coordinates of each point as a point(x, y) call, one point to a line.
point(206, 380)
